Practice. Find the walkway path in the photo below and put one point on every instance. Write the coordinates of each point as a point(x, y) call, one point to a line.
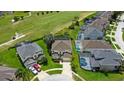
point(11, 41)
point(118, 36)
point(118, 33)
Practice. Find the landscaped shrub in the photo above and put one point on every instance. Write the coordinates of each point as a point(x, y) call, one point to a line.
point(47, 12)
point(38, 13)
point(43, 61)
point(42, 13)
point(22, 17)
point(77, 23)
point(71, 26)
point(16, 18)
point(118, 47)
point(48, 39)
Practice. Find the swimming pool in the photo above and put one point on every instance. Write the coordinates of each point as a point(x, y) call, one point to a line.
point(83, 62)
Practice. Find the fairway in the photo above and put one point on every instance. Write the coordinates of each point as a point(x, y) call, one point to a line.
point(37, 26)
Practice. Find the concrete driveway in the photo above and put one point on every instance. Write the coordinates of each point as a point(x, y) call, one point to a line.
point(67, 69)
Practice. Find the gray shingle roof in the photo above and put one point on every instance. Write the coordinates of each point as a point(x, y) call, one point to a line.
point(93, 33)
point(29, 53)
point(111, 54)
point(62, 45)
point(95, 44)
point(7, 73)
point(27, 50)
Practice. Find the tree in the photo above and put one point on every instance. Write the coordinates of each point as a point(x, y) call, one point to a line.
point(42, 13)
point(22, 17)
point(71, 26)
point(115, 14)
point(16, 18)
point(47, 12)
point(76, 18)
point(48, 39)
point(43, 61)
point(20, 74)
point(57, 11)
point(38, 13)
point(77, 23)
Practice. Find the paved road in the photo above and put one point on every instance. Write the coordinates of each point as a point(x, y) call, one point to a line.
point(118, 33)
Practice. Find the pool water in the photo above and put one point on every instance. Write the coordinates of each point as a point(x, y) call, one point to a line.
point(83, 62)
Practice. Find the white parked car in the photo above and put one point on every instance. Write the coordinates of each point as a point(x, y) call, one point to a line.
point(33, 70)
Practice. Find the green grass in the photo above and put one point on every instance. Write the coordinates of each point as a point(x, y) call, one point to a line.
point(55, 72)
point(37, 26)
point(123, 36)
point(9, 58)
point(118, 47)
point(51, 63)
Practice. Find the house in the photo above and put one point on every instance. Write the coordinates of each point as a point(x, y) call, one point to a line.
point(100, 23)
point(106, 15)
point(29, 53)
point(62, 50)
point(95, 44)
point(99, 56)
point(7, 73)
point(108, 60)
point(91, 44)
point(93, 33)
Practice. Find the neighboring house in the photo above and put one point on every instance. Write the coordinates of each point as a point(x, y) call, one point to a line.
point(100, 23)
point(108, 60)
point(62, 50)
point(93, 33)
point(95, 44)
point(106, 15)
point(29, 53)
point(97, 55)
point(91, 44)
point(7, 73)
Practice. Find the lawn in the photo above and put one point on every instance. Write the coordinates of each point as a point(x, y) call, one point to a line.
point(123, 36)
point(37, 26)
point(55, 72)
point(9, 58)
point(51, 64)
